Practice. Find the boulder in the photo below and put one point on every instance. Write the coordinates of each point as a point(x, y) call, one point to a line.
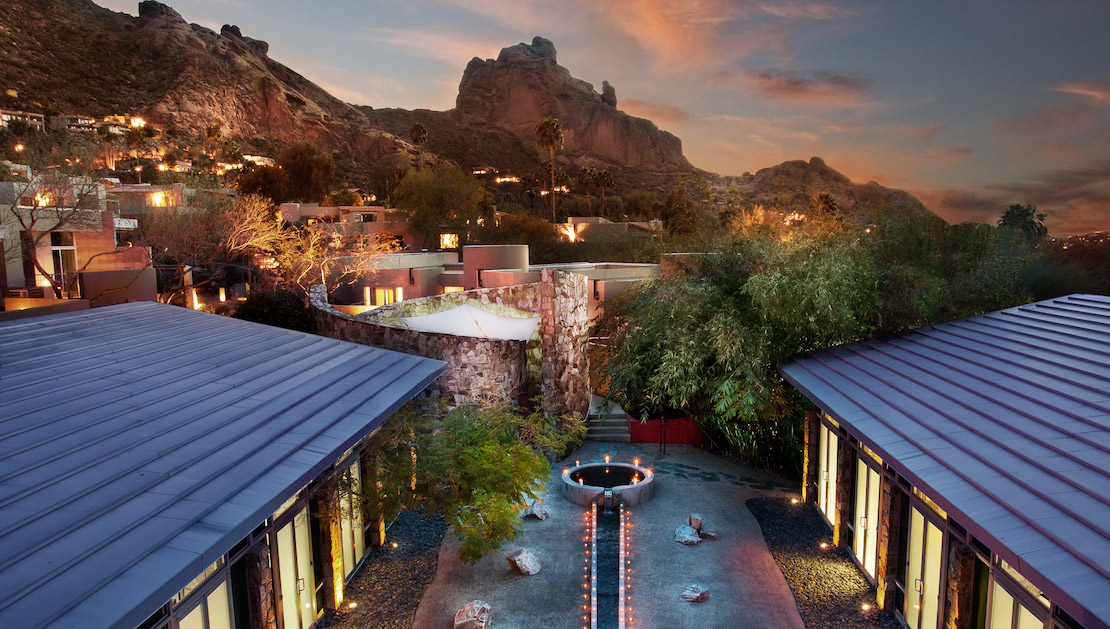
point(536, 510)
point(694, 521)
point(474, 615)
point(524, 562)
point(706, 532)
point(686, 535)
point(695, 594)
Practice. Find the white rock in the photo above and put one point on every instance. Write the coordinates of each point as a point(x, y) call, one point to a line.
point(474, 615)
point(695, 594)
point(694, 521)
point(706, 531)
point(524, 562)
point(686, 535)
point(537, 510)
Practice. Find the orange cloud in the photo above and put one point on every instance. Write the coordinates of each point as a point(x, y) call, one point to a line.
point(659, 113)
point(821, 89)
point(1098, 91)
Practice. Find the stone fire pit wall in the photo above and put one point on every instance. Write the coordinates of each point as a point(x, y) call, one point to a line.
point(474, 365)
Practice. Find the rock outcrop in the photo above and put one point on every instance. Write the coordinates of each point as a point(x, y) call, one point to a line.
point(525, 84)
point(522, 561)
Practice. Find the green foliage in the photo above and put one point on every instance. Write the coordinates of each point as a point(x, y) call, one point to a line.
point(310, 172)
point(267, 181)
point(549, 135)
point(418, 134)
point(477, 465)
point(386, 173)
point(1024, 220)
point(442, 201)
point(279, 308)
point(708, 341)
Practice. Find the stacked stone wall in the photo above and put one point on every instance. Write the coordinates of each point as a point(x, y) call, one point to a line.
point(260, 583)
point(476, 367)
point(565, 319)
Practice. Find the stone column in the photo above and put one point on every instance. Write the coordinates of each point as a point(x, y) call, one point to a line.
point(960, 591)
point(260, 587)
point(563, 332)
point(810, 453)
point(886, 571)
point(845, 461)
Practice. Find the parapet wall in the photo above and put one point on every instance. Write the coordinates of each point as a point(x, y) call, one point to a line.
point(478, 365)
point(475, 366)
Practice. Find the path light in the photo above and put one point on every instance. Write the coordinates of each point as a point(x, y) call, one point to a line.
point(394, 545)
point(865, 607)
point(793, 501)
point(636, 462)
point(352, 605)
point(606, 458)
point(824, 545)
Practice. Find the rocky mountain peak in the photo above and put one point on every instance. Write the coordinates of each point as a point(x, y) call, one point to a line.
point(525, 84)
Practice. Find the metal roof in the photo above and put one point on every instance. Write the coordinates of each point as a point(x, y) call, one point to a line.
point(1004, 420)
point(140, 442)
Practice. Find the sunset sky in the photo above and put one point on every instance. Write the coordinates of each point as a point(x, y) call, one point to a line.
point(970, 106)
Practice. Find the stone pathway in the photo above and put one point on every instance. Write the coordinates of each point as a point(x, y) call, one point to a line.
point(746, 587)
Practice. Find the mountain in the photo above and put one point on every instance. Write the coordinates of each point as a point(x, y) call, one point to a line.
point(74, 57)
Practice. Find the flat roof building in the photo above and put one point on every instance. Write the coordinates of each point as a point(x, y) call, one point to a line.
point(158, 466)
point(967, 465)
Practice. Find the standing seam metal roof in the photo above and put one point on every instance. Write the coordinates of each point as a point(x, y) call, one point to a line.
point(140, 442)
point(1004, 420)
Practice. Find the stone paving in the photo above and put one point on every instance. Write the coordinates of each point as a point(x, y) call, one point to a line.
point(746, 587)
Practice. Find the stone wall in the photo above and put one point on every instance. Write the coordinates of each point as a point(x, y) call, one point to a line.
point(260, 584)
point(475, 366)
point(564, 319)
point(810, 455)
point(890, 508)
point(845, 463)
point(959, 592)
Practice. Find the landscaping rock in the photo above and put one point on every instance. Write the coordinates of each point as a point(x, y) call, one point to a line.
point(524, 562)
point(474, 615)
point(706, 531)
point(695, 594)
point(686, 535)
point(694, 521)
point(537, 510)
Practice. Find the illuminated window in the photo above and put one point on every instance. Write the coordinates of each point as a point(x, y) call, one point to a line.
point(452, 289)
point(158, 199)
point(383, 296)
point(448, 241)
point(400, 293)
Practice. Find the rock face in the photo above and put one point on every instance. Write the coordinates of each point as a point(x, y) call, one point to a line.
point(686, 535)
point(695, 594)
point(525, 84)
point(694, 521)
point(522, 561)
point(474, 615)
point(536, 510)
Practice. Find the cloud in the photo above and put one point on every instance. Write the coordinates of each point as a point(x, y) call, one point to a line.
point(453, 50)
point(820, 89)
point(1098, 91)
point(1052, 120)
point(659, 113)
point(1076, 200)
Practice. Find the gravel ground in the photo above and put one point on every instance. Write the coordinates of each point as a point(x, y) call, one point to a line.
point(827, 585)
point(389, 585)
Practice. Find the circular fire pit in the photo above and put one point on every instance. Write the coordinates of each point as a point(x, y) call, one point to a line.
point(608, 484)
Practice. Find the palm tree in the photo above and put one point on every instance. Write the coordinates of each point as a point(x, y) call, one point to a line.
point(603, 180)
point(549, 135)
point(587, 179)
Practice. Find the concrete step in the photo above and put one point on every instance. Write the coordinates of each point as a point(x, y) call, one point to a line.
point(609, 421)
point(621, 438)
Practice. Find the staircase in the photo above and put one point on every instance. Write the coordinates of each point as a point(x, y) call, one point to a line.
point(606, 423)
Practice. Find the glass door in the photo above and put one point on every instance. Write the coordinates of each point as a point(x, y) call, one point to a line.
point(923, 573)
point(350, 521)
point(826, 482)
point(298, 587)
point(865, 541)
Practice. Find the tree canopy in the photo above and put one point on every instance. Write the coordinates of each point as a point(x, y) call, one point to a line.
point(442, 201)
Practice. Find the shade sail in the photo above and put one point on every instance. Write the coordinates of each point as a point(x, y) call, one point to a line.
point(466, 320)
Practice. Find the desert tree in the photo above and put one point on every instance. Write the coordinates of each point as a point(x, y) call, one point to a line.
point(436, 201)
point(549, 135)
point(331, 255)
point(587, 179)
point(418, 134)
point(603, 181)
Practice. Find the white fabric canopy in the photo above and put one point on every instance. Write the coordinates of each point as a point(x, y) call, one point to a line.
point(466, 320)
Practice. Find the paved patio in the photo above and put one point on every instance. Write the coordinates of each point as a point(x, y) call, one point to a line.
point(746, 587)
